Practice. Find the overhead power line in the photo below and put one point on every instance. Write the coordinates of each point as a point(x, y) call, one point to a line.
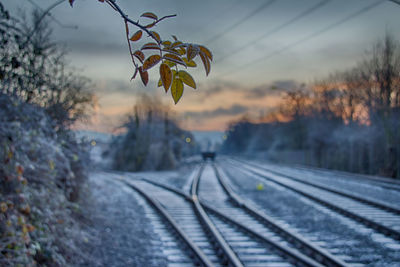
point(241, 21)
point(52, 17)
point(308, 37)
point(395, 1)
point(276, 29)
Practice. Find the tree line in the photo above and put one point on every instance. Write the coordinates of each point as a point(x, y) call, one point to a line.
point(346, 121)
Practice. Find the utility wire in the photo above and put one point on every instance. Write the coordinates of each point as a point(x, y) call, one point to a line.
point(307, 12)
point(212, 21)
point(395, 1)
point(52, 17)
point(241, 21)
point(309, 37)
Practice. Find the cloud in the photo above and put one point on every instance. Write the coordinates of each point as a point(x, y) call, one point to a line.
point(220, 87)
point(109, 86)
point(273, 88)
point(230, 111)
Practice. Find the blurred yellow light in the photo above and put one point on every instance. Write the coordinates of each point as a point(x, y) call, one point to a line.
point(224, 137)
point(93, 143)
point(188, 140)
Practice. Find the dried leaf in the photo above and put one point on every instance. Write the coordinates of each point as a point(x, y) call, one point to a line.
point(192, 51)
point(149, 15)
point(150, 46)
point(19, 169)
point(167, 43)
point(177, 43)
point(206, 52)
point(177, 89)
point(151, 61)
point(139, 55)
point(144, 75)
point(174, 58)
point(166, 76)
point(206, 62)
point(151, 25)
point(136, 36)
point(173, 36)
point(159, 84)
point(171, 50)
point(169, 63)
point(190, 63)
point(187, 78)
point(156, 36)
point(182, 51)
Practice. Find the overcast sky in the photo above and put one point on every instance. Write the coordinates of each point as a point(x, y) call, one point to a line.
point(257, 45)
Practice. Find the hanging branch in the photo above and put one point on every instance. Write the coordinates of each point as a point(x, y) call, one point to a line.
point(170, 53)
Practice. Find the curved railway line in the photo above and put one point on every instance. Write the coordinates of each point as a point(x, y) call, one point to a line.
point(381, 217)
point(229, 231)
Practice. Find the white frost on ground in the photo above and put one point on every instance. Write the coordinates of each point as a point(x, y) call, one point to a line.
point(121, 234)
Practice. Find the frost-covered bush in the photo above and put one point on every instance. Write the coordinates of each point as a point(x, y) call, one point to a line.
point(153, 140)
point(41, 172)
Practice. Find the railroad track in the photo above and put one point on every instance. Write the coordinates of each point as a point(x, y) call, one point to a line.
point(228, 231)
point(380, 217)
point(386, 183)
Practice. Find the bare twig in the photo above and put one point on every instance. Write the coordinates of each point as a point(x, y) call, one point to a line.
point(129, 44)
point(37, 23)
point(115, 6)
point(54, 18)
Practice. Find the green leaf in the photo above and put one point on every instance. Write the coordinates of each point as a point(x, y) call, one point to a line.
point(187, 78)
point(177, 89)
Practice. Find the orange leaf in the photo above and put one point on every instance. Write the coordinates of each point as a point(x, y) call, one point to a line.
point(149, 15)
point(192, 51)
point(174, 58)
point(206, 52)
point(136, 36)
point(139, 55)
point(167, 43)
point(19, 169)
point(151, 61)
point(206, 62)
point(171, 50)
point(177, 43)
point(150, 46)
point(144, 75)
point(166, 76)
point(156, 36)
point(151, 25)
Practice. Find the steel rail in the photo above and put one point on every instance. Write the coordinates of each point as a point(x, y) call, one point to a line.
point(374, 203)
point(322, 256)
point(230, 255)
point(288, 252)
point(201, 257)
point(369, 223)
